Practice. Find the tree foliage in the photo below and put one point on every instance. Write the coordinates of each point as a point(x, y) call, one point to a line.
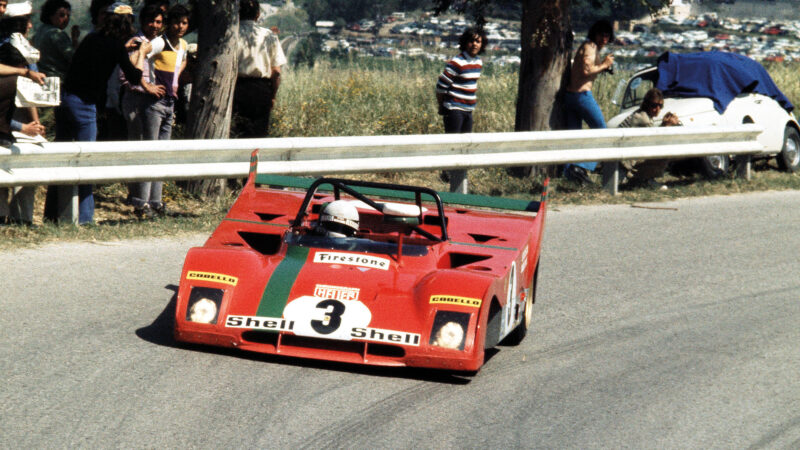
point(583, 12)
point(355, 10)
point(586, 12)
point(289, 21)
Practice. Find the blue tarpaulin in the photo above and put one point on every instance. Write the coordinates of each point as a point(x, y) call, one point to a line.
point(719, 76)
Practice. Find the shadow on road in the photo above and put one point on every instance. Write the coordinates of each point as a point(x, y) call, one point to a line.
point(160, 333)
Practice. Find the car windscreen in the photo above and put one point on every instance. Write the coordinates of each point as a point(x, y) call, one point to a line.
point(355, 245)
point(637, 87)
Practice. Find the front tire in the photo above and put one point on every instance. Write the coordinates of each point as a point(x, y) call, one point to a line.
point(789, 157)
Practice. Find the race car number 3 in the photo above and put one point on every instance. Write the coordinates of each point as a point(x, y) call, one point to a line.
point(327, 318)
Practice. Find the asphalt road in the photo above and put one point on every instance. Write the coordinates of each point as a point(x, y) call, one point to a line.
point(654, 328)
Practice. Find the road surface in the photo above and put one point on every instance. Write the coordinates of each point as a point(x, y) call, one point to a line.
point(674, 327)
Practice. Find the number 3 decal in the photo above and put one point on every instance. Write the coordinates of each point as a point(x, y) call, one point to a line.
point(333, 316)
point(326, 317)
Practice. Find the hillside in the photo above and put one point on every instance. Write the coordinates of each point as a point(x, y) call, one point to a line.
point(743, 9)
point(785, 10)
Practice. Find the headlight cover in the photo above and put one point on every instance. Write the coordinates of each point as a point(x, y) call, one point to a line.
point(204, 304)
point(449, 330)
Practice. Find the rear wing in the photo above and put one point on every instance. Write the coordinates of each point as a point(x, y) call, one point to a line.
point(448, 198)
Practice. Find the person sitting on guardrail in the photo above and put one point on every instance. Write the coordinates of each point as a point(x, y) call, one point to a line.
point(579, 103)
point(644, 173)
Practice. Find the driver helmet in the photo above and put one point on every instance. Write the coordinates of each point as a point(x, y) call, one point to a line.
point(339, 219)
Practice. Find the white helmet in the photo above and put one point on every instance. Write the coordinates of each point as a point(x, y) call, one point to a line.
point(339, 219)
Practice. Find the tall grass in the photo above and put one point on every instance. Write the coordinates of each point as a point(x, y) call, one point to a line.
point(388, 97)
point(366, 97)
point(395, 98)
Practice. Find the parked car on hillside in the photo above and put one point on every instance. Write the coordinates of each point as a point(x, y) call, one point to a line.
point(718, 88)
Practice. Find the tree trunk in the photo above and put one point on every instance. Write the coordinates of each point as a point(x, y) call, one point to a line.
point(544, 70)
point(214, 77)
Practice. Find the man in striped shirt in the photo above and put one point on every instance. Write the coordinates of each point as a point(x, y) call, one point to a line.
point(458, 83)
point(455, 94)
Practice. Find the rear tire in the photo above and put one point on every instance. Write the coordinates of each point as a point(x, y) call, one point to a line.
point(789, 157)
point(519, 333)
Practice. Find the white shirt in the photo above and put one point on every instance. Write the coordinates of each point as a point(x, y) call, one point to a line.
point(259, 51)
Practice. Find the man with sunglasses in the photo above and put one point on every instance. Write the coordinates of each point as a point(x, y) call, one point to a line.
point(644, 173)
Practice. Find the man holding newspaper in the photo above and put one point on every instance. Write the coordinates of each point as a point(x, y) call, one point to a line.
point(18, 60)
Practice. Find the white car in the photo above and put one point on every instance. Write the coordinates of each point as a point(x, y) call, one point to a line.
point(781, 136)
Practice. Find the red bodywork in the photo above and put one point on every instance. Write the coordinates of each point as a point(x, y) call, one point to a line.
point(360, 304)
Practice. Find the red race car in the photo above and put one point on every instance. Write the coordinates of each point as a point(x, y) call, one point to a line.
point(365, 273)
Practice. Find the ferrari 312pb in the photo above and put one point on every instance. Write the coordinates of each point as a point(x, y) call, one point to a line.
point(364, 272)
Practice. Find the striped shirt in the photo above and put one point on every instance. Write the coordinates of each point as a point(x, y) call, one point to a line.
point(459, 82)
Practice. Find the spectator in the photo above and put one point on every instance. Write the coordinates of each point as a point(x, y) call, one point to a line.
point(139, 107)
point(8, 91)
point(9, 71)
point(16, 51)
point(85, 88)
point(456, 91)
point(185, 85)
point(579, 103)
point(163, 5)
point(98, 12)
point(55, 45)
point(110, 123)
point(644, 173)
point(259, 75)
point(149, 114)
point(171, 62)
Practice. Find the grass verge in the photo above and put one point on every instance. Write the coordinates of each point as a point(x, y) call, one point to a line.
point(115, 220)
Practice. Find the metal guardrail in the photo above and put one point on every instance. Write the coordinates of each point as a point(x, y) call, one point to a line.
point(124, 161)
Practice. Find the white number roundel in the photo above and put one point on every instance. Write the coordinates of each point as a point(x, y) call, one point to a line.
point(326, 318)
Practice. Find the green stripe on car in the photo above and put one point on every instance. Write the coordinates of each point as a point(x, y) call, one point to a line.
point(276, 294)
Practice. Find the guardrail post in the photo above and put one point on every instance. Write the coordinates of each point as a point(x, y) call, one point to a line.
point(67, 203)
point(458, 181)
point(611, 177)
point(743, 166)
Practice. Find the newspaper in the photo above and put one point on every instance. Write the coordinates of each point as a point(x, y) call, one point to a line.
point(22, 138)
point(31, 93)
